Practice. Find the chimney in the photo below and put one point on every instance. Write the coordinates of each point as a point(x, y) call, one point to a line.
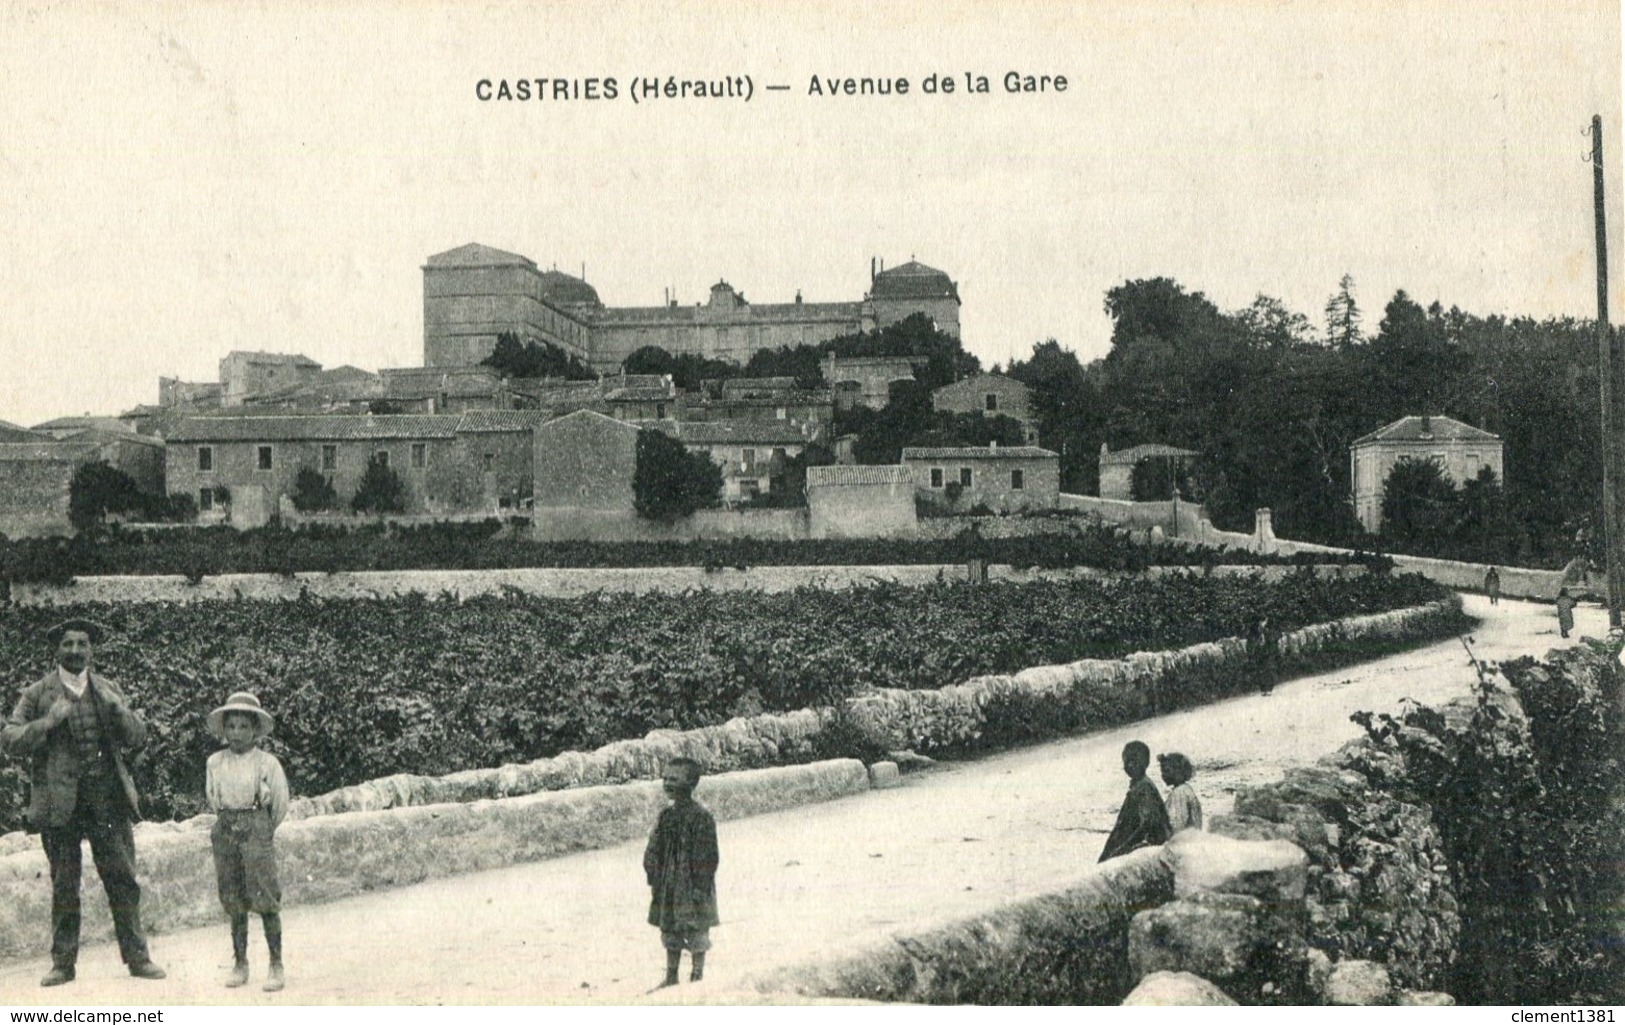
point(798, 297)
point(871, 270)
point(1427, 427)
point(992, 445)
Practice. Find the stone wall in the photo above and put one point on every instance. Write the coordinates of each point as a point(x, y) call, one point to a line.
point(330, 857)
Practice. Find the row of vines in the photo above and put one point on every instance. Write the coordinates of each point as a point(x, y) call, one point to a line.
point(365, 688)
point(320, 548)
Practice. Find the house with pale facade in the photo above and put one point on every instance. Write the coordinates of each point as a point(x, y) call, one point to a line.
point(751, 453)
point(1008, 478)
point(1461, 451)
point(988, 395)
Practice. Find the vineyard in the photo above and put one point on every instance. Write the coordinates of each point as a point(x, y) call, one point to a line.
point(196, 552)
point(365, 688)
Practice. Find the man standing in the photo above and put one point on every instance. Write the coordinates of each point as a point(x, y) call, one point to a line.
point(72, 727)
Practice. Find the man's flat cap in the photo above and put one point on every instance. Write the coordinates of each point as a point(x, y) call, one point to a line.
point(93, 629)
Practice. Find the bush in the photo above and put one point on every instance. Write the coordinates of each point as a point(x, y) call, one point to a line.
point(313, 492)
point(1528, 812)
point(381, 490)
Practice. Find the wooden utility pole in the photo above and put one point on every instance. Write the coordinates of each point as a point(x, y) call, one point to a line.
point(1611, 374)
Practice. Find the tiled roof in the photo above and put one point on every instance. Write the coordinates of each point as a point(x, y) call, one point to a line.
point(314, 428)
point(1133, 455)
point(97, 436)
point(981, 382)
point(1002, 452)
point(913, 280)
point(500, 420)
point(740, 432)
point(276, 358)
point(1439, 428)
point(661, 394)
point(476, 255)
point(46, 452)
point(827, 476)
point(69, 423)
point(12, 432)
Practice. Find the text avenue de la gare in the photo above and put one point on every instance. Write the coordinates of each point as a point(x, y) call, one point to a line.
point(654, 88)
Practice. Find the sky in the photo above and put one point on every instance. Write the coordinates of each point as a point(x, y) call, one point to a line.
point(181, 180)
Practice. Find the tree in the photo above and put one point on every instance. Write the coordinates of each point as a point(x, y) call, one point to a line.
point(513, 358)
point(671, 482)
point(313, 492)
point(98, 488)
point(381, 490)
point(1343, 315)
point(1419, 504)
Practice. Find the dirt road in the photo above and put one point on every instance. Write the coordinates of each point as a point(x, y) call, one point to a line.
point(796, 884)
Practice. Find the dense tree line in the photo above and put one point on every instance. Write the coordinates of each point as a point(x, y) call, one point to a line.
point(1272, 406)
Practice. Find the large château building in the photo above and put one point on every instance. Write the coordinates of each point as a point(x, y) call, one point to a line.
point(474, 293)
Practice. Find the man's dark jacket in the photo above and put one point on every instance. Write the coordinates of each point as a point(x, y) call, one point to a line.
point(52, 756)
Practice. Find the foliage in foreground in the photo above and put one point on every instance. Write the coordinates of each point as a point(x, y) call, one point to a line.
point(1529, 811)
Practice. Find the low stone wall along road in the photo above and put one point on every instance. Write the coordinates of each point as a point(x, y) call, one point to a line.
point(796, 886)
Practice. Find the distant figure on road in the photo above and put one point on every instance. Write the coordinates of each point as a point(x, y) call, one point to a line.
point(681, 865)
point(1143, 821)
point(248, 794)
point(1263, 645)
point(1184, 808)
point(1492, 585)
point(1565, 610)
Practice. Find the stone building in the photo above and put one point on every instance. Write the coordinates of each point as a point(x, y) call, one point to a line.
point(36, 476)
point(751, 453)
point(1002, 478)
point(868, 380)
point(760, 398)
point(477, 462)
point(474, 293)
point(861, 501)
point(1461, 451)
point(988, 395)
point(1117, 468)
point(252, 373)
point(584, 466)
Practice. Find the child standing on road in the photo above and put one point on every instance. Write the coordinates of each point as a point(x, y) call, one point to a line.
point(248, 793)
point(681, 865)
point(1184, 808)
point(1142, 821)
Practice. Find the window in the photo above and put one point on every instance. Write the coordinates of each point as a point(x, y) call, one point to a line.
point(936, 476)
point(264, 457)
point(383, 458)
point(420, 455)
point(964, 476)
point(992, 403)
point(660, 411)
point(1017, 482)
point(781, 413)
point(205, 458)
point(330, 457)
point(749, 460)
point(205, 499)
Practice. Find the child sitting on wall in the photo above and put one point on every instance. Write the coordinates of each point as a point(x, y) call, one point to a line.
point(1184, 808)
point(681, 865)
point(1142, 821)
point(248, 793)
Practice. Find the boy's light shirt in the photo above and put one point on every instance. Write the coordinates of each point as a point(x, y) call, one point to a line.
point(253, 778)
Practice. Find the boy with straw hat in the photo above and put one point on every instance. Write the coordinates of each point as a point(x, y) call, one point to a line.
point(248, 793)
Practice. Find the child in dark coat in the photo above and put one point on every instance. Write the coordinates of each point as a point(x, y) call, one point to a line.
point(1143, 821)
point(681, 865)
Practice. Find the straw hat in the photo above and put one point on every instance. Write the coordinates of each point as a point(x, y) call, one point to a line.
point(242, 701)
point(94, 630)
